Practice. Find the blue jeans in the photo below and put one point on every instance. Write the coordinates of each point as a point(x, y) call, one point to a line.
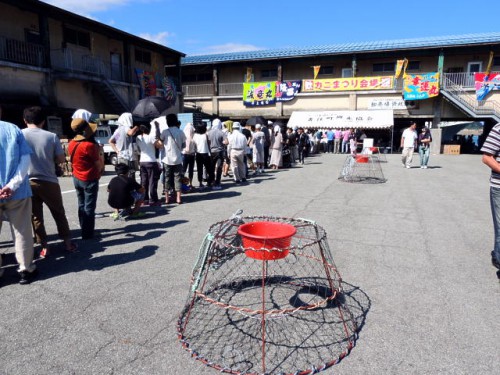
point(424, 152)
point(495, 211)
point(86, 192)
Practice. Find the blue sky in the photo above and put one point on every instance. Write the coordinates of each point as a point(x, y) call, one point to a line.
point(217, 26)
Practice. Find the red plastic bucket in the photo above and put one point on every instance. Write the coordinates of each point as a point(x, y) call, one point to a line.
point(361, 159)
point(374, 150)
point(266, 235)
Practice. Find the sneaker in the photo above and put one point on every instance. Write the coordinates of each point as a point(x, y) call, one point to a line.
point(425, 167)
point(27, 277)
point(408, 167)
point(217, 187)
point(404, 165)
point(114, 216)
point(44, 253)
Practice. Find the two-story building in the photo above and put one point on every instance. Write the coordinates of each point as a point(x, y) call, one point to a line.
point(63, 61)
point(353, 81)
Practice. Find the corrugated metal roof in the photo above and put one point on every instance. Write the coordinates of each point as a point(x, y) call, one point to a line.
point(429, 42)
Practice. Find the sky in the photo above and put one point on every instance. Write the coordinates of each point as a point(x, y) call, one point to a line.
point(199, 27)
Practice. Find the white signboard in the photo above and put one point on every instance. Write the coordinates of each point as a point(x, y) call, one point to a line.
point(342, 119)
point(387, 103)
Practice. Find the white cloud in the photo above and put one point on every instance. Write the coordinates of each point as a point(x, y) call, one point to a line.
point(84, 7)
point(160, 38)
point(227, 48)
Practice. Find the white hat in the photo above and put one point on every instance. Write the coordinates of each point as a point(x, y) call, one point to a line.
point(258, 126)
point(269, 122)
point(236, 125)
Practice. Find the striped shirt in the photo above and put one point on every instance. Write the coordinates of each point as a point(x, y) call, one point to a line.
point(492, 146)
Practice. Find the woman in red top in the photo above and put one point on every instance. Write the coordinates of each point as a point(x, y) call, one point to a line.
point(87, 160)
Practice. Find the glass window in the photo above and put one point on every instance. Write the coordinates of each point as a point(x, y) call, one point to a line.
point(269, 73)
point(384, 67)
point(325, 70)
point(79, 38)
point(143, 56)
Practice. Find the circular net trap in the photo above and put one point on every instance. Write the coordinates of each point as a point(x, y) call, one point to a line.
point(275, 307)
point(362, 168)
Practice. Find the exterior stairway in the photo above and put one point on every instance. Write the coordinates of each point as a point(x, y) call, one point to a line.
point(112, 97)
point(467, 102)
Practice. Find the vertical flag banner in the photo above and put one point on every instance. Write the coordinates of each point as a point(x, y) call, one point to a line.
point(286, 90)
point(170, 90)
point(421, 86)
point(484, 83)
point(490, 63)
point(249, 75)
point(147, 82)
point(316, 70)
point(259, 93)
point(400, 64)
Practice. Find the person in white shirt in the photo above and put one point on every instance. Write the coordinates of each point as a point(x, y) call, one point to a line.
point(408, 140)
point(203, 160)
point(172, 141)
point(236, 151)
point(148, 165)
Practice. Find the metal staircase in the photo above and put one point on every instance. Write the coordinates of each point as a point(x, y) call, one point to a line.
point(113, 98)
point(468, 103)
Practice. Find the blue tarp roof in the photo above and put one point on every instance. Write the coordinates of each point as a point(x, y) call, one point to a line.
point(415, 43)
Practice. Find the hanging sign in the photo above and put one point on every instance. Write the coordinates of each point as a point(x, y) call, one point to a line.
point(348, 84)
point(259, 93)
point(286, 90)
point(421, 86)
point(484, 83)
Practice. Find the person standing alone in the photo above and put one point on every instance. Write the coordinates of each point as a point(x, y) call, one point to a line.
point(408, 140)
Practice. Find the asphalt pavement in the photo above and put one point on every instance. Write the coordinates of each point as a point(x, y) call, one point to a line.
point(417, 248)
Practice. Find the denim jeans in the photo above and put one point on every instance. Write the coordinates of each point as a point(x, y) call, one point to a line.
point(86, 192)
point(495, 211)
point(424, 152)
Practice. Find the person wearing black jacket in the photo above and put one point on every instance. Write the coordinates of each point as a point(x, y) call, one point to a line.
point(302, 144)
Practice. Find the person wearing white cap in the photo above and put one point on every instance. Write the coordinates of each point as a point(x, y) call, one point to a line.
point(276, 149)
point(236, 150)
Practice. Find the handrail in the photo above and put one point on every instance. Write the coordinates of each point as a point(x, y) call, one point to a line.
point(481, 107)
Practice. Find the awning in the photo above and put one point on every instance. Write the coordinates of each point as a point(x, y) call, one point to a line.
point(381, 119)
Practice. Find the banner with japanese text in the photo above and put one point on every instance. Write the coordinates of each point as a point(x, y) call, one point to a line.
point(382, 119)
point(286, 90)
point(420, 86)
point(257, 94)
point(348, 84)
point(147, 82)
point(484, 83)
point(387, 103)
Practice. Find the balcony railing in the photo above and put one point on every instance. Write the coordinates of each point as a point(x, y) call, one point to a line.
point(464, 80)
point(21, 52)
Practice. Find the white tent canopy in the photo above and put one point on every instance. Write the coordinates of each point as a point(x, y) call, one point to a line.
point(380, 119)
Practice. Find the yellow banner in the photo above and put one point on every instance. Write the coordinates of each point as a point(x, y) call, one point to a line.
point(348, 84)
point(316, 70)
point(400, 66)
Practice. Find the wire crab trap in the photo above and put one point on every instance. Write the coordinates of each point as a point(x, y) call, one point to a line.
point(362, 168)
point(266, 298)
point(376, 153)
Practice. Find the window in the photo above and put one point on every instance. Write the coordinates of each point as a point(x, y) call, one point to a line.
point(200, 77)
point(143, 56)
point(455, 70)
point(79, 38)
point(413, 65)
point(269, 73)
point(384, 67)
point(325, 70)
point(346, 72)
